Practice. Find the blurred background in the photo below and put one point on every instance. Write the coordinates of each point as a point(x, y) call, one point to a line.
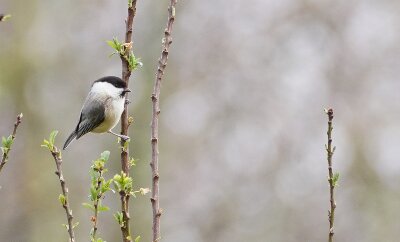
point(242, 127)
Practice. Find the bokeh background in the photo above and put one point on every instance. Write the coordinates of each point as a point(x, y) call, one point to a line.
point(242, 124)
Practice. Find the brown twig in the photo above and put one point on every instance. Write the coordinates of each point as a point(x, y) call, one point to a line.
point(126, 73)
point(332, 179)
point(162, 63)
point(4, 159)
point(55, 152)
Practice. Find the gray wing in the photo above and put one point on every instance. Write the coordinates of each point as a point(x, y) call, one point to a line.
point(92, 115)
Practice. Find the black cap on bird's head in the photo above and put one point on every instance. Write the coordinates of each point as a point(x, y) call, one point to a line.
point(113, 80)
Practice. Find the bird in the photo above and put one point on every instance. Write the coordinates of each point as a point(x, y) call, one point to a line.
point(102, 108)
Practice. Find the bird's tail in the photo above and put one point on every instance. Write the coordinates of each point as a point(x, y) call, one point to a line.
point(69, 140)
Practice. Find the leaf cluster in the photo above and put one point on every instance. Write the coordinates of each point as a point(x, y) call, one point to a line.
point(125, 51)
point(99, 185)
point(49, 144)
point(123, 183)
point(6, 145)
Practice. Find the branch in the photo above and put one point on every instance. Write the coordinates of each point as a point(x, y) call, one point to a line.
point(332, 178)
point(126, 73)
point(96, 207)
point(98, 187)
point(55, 152)
point(7, 142)
point(58, 160)
point(162, 63)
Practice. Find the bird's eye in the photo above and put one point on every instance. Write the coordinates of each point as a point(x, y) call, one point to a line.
point(124, 91)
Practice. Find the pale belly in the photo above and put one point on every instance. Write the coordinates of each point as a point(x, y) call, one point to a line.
point(112, 116)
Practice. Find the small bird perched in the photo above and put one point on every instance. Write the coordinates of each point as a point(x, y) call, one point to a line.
point(102, 108)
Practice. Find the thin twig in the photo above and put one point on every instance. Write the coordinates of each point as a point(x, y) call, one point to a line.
point(126, 73)
point(96, 204)
point(4, 159)
point(162, 63)
point(332, 179)
point(65, 201)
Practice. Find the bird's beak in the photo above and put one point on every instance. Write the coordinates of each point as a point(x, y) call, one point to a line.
point(127, 90)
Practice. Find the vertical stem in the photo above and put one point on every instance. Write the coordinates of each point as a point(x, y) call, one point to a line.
point(330, 150)
point(58, 160)
point(96, 205)
point(162, 63)
point(126, 73)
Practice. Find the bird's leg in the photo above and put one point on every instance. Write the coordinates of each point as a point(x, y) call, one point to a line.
point(124, 137)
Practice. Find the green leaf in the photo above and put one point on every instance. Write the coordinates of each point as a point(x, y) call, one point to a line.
point(75, 225)
point(117, 186)
point(49, 144)
point(144, 191)
point(105, 155)
point(119, 218)
point(5, 150)
point(93, 193)
point(106, 186)
point(126, 144)
point(103, 208)
point(118, 182)
point(111, 44)
point(4, 141)
point(335, 179)
point(98, 165)
point(93, 175)
point(117, 177)
point(137, 239)
point(88, 205)
point(132, 162)
point(52, 137)
point(10, 140)
point(45, 144)
point(116, 45)
point(123, 182)
point(133, 62)
point(62, 199)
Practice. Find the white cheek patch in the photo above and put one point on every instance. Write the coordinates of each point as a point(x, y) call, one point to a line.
point(105, 88)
